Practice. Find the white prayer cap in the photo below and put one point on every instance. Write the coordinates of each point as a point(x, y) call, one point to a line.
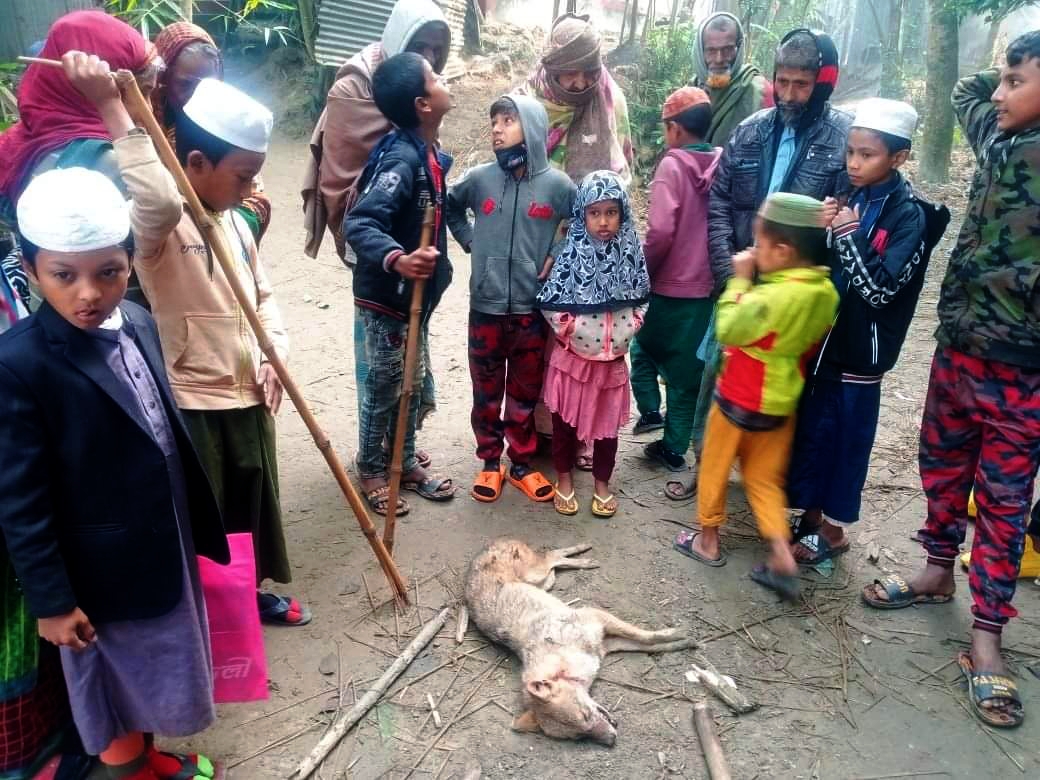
point(887, 116)
point(230, 115)
point(73, 210)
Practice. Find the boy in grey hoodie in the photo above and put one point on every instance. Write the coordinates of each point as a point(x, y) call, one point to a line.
point(517, 202)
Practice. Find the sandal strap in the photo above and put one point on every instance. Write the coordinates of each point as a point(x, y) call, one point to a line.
point(895, 586)
point(995, 687)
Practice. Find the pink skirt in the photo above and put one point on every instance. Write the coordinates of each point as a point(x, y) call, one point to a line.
point(591, 396)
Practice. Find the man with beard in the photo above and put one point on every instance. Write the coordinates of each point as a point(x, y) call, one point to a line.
point(736, 88)
point(798, 147)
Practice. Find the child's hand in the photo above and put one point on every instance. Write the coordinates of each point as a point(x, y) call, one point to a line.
point(419, 264)
point(547, 268)
point(272, 386)
point(91, 76)
point(744, 264)
point(830, 211)
point(70, 630)
point(845, 217)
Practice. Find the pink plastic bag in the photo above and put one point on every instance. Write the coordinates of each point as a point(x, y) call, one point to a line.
point(235, 636)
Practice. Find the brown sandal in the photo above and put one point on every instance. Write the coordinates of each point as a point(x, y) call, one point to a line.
point(487, 487)
point(379, 499)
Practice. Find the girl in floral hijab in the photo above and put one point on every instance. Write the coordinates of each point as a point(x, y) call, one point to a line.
point(594, 299)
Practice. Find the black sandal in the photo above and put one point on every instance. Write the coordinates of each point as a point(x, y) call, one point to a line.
point(900, 594)
point(786, 586)
point(984, 687)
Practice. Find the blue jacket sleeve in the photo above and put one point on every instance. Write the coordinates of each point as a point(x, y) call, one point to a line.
point(27, 517)
point(878, 277)
point(368, 228)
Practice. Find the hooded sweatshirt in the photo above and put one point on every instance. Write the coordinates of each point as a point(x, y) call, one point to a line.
point(351, 124)
point(747, 92)
point(676, 246)
point(515, 220)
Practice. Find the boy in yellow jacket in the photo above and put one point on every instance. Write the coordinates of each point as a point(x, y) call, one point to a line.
point(768, 330)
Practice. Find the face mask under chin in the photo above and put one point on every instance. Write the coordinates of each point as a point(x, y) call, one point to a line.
point(512, 158)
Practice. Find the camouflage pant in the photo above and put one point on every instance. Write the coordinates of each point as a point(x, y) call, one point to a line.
point(506, 358)
point(981, 427)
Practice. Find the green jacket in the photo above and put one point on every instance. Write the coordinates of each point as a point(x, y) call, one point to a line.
point(990, 300)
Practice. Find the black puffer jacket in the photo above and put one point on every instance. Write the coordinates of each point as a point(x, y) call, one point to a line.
point(742, 179)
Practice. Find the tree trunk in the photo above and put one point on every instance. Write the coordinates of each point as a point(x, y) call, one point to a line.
point(634, 22)
point(892, 62)
point(941, 79)
point(986, 58)
point(556, 10)
point(187, 7)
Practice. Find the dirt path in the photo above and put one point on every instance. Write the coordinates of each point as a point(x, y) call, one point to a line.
point(844, 693)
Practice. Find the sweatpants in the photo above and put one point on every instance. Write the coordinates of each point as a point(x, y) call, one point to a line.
point(667, 345)
point(763, 457)
point(385, 339)
point(506, 359)
point(565, 451)
point(981, 427)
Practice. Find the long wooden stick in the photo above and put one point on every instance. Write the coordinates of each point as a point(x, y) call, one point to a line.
point(346, 721)
point(718, 769)
point(142, 113)
point(411, 356)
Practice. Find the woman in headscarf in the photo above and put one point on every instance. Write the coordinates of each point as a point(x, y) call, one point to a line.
point(58, 127)
point(588, 114)
point(191, 55)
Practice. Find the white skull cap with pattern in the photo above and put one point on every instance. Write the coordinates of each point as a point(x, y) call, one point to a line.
point(73, 210)
point(230, 115)
point(887, 116)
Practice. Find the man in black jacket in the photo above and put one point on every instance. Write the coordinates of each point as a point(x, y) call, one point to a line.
point(798, 146)
point(405, 174)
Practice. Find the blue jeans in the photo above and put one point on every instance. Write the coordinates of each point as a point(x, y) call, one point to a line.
point(380, 392)
point(429, 395)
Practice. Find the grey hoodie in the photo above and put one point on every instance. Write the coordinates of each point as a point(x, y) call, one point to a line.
point(515, 220)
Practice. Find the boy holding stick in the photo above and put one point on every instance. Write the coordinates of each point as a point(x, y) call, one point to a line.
point(225, 388)
point(405, 174)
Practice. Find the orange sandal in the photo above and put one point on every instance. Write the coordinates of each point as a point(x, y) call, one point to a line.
point(491, 482)
point(534, 486)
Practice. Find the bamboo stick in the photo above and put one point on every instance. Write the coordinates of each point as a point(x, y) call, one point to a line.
point(411, 355)
point(142, 113)
point(345, 721)
point(718, 769)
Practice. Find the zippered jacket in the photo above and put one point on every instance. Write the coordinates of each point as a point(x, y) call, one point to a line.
point(879, 274)
point(768, 331)
point(515, 220)
point(990, 300)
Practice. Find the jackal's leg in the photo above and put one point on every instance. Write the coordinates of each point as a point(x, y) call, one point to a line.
point(619, 645)
point(616, 627)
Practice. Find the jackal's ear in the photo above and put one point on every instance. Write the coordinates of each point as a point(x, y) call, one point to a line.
point(526, 722)
point(540, 689)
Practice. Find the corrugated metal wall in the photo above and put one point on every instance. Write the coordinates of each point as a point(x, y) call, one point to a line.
point(23, 22)
point(345, 27)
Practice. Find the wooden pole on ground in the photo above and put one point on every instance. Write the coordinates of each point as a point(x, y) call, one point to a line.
point(718, 769)
point(142, 113)
point(411, 357)
point(187, 8)
point(345, 721)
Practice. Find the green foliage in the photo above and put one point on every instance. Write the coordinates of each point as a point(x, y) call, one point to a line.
point(8, 101)
point(148, 16)
point(990, 10)
point(666, 63)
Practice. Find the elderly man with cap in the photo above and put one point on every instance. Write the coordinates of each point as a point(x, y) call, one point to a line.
point(796, 147)
point(736, 88)
point(882, 242)
point(676, 251)
point(347, 131)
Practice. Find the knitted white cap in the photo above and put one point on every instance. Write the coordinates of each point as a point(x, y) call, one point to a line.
point(73, 210)
point(230, 115)
point(887, 116)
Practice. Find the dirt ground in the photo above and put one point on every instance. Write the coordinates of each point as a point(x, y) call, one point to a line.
point(844, 692)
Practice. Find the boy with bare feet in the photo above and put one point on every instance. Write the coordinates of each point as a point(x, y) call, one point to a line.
point(767, 329)
point(981, 421)
point(406, 172)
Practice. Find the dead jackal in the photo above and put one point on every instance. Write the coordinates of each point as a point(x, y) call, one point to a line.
point(560, 647)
